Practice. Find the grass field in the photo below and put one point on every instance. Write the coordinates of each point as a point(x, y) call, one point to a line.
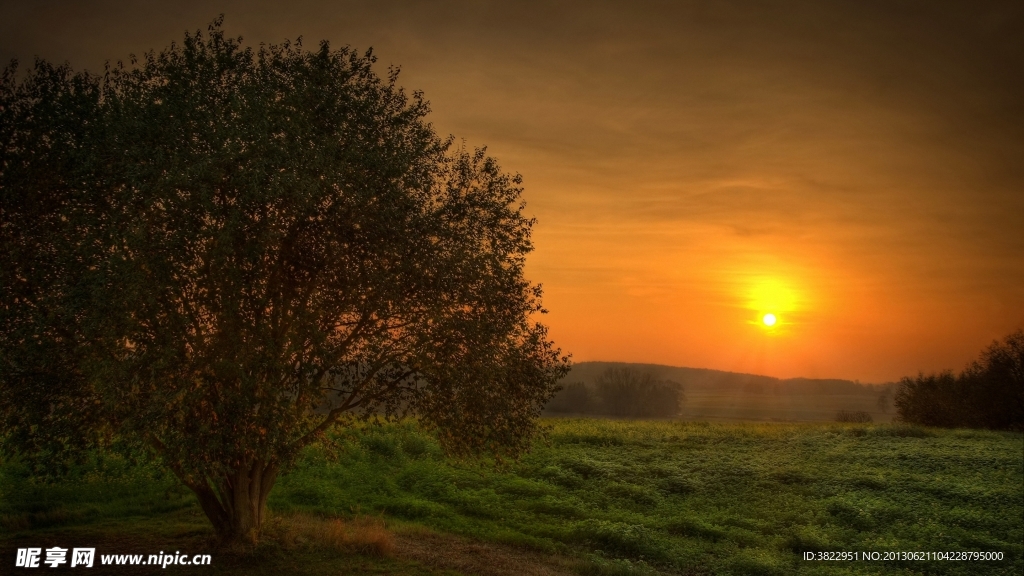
point(614, 497)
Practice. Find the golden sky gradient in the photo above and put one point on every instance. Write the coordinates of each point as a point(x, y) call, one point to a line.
point(855, 168)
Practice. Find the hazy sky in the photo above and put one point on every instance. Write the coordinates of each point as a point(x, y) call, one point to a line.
point(855, 168)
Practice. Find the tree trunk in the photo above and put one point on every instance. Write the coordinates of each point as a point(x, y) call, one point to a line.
point(236, 505)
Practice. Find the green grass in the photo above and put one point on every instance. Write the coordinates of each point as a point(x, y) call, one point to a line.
point(631, 496)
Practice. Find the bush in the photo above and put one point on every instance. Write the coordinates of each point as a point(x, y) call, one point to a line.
point(857, 417)
point(989, 393)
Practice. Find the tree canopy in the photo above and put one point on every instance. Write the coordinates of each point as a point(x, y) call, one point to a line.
point(988, 393)
point(223, 252)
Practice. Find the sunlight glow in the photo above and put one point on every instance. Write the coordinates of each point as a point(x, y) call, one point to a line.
point(772, 294)
point(773, 302)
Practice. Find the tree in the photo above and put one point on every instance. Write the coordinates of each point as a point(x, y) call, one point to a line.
point(996, 384)
point(572, 398)
point(225, 252)
point(932, 400)
point(628, 392)
point(989, 393)
point(46, 405)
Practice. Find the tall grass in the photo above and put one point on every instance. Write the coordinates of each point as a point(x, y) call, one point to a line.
point(635, 496)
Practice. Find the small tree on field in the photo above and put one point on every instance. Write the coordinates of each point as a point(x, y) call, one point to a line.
point(225, 252)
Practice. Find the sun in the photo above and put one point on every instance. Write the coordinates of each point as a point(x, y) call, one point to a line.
point(769, 319)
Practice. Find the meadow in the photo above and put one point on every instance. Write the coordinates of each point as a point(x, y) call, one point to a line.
point(612, 497)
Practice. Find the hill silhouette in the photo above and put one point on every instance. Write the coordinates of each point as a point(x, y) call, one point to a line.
point(717, 395)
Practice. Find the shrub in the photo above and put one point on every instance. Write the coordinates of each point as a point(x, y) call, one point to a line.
point(858, 417)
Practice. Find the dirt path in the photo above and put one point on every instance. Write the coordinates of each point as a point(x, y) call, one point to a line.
point(415, 553)
point(478, 558)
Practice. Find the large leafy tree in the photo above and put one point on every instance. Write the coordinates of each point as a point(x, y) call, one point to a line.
point(989, 393)
point(224, 252)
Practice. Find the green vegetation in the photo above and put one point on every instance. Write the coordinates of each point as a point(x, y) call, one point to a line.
point(225, 252)
point(620, 391)
point(717, 396)
point(989, 393)
point(627, 496)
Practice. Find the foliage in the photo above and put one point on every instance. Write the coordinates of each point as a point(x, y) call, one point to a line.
point(225, 252)
point(572, 398)
point(931, 400)
point(630, 393)
point(989, 393)
point(47, 407)
point(855, 416)
point(623, 392)
point(715, 499)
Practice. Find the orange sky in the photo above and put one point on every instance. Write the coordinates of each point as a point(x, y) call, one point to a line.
point(856, 168)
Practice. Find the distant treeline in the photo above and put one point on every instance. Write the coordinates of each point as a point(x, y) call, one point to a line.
point(705, 380)
point(620, 391)
point(989, 393)
point(713, 395)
